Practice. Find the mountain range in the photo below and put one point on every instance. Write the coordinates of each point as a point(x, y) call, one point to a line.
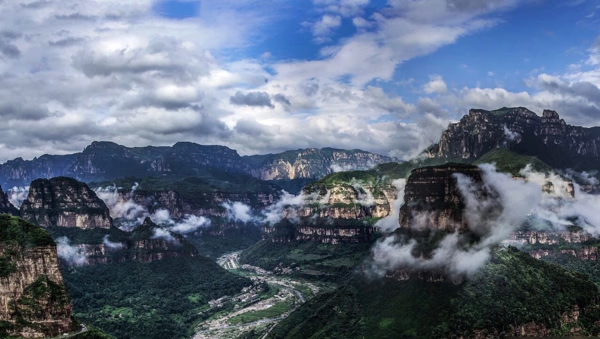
point(104, 160)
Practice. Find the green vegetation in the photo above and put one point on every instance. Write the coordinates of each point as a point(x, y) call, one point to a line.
point(511, 290)
point(41, 300)
point(208, 180)
point(274, 311)
point(589, 267)
point(313, 260)
point(88, 236)
point(92, 333)
point(16, 231)
point(510, 162)
point(231, 240)
point(43, 296)
point(161, 299)
point(385, 173)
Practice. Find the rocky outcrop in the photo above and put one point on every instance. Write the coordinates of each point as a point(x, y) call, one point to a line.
point(548, 137)
point(324, 231)
point(102, 161)
point(148, 242)
point(312, 163)
point(64, 202)
point(5, 206)
point(344, 201)
point(33, 299)
point(433, 201)
point(334, 213)
point(207, 203)
point(529, 237)
point(151, 243)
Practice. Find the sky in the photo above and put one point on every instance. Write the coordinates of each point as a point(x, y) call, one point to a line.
point(268, 76)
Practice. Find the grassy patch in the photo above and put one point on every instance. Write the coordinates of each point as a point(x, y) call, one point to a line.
point(271, 312)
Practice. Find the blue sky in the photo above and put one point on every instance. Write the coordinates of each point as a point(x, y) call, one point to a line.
point(529, 38)
point(258, 76)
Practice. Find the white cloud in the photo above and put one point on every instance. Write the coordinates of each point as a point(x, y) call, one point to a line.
point(238, 211)
point(435, 85)
point(72, 254)
point(117, 71)
point(322, 28)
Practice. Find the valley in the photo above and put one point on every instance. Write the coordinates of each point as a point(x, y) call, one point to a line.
point(438, 246)
point(254, 313)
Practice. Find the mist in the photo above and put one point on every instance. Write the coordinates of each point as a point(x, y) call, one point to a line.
point(493, 210)
point(112, 245)
point(132, 214)
point(73, 255)
point(17, 195)
point(390, 223)
point(273, 213)
point(567, 204)
point(238, 211)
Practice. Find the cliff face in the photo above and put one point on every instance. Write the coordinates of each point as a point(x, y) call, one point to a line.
point(312, 163)
point(344, 201)
point(146, 243)
point(64, 202)
point(432, 199)
point(5, 206)
point(548, 137)
point(103, 161)
point(33, 299)
point(207, 203)
point(333, 214)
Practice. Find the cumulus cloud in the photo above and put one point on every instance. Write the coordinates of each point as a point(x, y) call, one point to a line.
point(120, 72)
point(73, 255)
point(324, 27)
point(435, 85)
point(253, 99)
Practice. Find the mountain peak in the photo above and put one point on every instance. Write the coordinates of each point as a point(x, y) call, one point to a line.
point(102, 145)
point(550, 114)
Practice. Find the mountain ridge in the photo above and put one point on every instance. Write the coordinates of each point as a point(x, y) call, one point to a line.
point(106, 160)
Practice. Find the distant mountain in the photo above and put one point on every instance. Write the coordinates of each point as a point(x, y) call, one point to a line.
point(311, 163)
point(107, 161)
point(549, 138)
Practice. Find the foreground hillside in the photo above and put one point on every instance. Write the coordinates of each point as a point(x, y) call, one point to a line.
point(513, 295)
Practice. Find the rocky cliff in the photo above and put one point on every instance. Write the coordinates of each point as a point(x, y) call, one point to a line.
point(433, 201)
point(64, 202)
point(334, 213)
point(205, 203)
point(547, 137)
point(102, 161)
point(5, 206)
point(311, 163)
point(151, 243)
point(146, 243)
point(344, 201)
point(33, 299)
